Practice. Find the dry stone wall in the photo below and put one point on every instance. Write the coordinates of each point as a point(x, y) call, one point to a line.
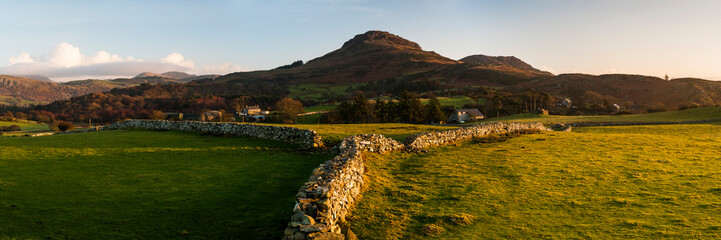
point(422, 141)
point(327, 197)
point(302, 137)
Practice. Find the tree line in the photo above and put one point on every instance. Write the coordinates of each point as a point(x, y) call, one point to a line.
point(407, 108)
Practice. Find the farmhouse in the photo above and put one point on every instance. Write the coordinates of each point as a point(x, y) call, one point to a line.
point(250, 110)
point(465, 115)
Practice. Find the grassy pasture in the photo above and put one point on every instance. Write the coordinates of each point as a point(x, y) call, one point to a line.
point(148, 185)
point(636, 182)
point(28, 126)
point(456, 102)
point(335, 132)
point(674, 116)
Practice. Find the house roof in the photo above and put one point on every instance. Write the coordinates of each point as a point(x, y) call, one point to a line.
point(472, 111)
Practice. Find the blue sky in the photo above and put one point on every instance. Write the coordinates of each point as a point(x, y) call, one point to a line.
point(63, 39)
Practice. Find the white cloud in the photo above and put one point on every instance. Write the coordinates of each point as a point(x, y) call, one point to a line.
point(66, 55)
point(23, 58)
point(66, 62)
point(178, 59)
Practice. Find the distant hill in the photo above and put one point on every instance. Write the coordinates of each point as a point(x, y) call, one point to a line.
point(630, 90)
point(37, 77)
point(22, 91)
point(171, 75)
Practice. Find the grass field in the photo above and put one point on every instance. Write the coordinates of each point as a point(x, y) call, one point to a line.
point(456, 102)
point(674, 116)
point(333, 133)
point(639, 182)
point(148, 185)
point(27, 126)
point(319, 108)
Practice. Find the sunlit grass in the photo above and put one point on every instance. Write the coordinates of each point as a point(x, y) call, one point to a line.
point(397, 131)
point(148, 185)
point(671, 116)
point(645, 182)
point(27, 126)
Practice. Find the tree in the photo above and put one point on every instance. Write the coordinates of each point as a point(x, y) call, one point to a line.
point(8, 114)
point(666, 77)
point(289, 109)
point(362, 110)
point(411, 108)
point(156, 115)
point(434, 114)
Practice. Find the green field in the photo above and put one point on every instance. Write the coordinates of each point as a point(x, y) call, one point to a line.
point(319, 108)
point(333, 133)
point(638, 182)
point(316, 90)
point(148, 185)
point(672, 116)
point(456, 102)
point(29, 126)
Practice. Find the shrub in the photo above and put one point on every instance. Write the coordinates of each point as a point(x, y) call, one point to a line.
point(11, 128)
point(65, 126)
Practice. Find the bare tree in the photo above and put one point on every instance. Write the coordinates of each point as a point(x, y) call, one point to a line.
point(289, 109)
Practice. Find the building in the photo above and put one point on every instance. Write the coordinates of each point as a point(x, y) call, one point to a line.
point(173, 116)
point(211, 115)
point(565, 103)
point(250, 110)
point(465, 115)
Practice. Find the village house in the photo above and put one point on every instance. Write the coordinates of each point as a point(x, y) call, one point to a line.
point(465, 115)
point(251, 110)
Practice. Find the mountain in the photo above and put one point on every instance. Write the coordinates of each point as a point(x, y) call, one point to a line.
point(377, 56)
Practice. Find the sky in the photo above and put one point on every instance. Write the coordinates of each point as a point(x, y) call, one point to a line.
point(72, 40)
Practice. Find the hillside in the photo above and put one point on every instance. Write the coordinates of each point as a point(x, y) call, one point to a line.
point(23, 91)
point(633, 91)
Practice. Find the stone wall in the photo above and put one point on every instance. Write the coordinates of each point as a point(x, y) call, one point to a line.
point(422, 141)
point(327, 197)
point(304, 138)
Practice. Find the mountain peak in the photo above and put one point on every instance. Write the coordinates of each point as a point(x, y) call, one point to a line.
point(380, 38)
